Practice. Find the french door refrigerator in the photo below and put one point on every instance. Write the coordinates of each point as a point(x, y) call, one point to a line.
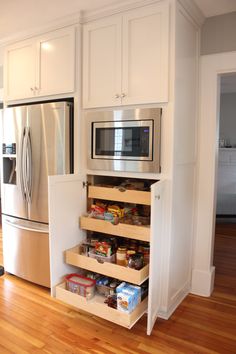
point(36, 143)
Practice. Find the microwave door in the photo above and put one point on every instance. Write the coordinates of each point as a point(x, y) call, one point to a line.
point(123, 140)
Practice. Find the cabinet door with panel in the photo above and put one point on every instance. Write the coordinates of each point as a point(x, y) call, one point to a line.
point(44, 65)
point(153, 234)
point(19, 70)
point(126, 58)
point(102, 62)
point(56, 62)
point(145, 42)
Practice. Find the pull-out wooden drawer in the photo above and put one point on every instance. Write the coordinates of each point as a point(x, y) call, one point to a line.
point(135, 232)
point(120, 195)
point(110, 269)
point(97, 307)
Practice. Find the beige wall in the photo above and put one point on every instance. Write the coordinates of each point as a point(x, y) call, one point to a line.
point(219, 34)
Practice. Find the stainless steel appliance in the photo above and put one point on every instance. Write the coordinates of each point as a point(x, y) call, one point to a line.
point(124, 140)
point(35, 144)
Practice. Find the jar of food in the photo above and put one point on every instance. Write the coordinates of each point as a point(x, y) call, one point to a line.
point(121, 256)
point(136, 261)
point(129, 253)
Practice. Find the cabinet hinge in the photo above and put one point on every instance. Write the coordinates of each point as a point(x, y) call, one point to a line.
point(85, 184)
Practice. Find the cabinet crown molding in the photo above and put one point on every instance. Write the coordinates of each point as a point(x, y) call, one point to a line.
point(54, 25)
point(114, 9)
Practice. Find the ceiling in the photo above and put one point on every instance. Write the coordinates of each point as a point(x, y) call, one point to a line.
point(17, 16)
point(216, 7)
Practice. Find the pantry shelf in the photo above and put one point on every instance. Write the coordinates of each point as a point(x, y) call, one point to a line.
point(109, 269)
point(97, 307)
point(120, 195)
point(135, 232)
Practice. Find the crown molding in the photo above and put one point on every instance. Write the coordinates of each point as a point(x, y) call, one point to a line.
point(82, 17)
point(53, 25)
point(114, 9)
point(193, 10)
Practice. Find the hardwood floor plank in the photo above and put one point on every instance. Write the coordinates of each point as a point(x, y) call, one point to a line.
point(33, 322)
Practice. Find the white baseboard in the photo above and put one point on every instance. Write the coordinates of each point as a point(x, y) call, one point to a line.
point(203, 282)
point(165, 313)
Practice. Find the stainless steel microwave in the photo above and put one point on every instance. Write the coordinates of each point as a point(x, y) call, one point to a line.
point(124, 140)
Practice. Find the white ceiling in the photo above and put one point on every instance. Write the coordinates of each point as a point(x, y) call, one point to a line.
point(17, 16)
point(216, 7)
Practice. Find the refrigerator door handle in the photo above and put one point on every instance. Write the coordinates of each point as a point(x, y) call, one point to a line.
point(22, 164)
point(19, 225)
point(28, 166)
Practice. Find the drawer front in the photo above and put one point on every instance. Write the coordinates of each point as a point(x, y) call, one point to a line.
point(110, 269)
point(120, 195)
point(97, 307)
point(141, 233)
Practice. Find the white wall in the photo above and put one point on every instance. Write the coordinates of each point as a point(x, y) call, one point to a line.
point(1, 72)
point(228, 117)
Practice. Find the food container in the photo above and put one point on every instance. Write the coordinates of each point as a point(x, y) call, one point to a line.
point(106, 287)
point(128, 297)
point(103, 248)
point(135, 261)
point(121, 256)
point(102, 259)
point(80, 285)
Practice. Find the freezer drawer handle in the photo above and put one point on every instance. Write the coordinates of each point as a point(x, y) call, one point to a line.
point(18, 226)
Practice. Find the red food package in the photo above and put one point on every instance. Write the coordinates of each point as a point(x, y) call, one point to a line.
point(103, 249)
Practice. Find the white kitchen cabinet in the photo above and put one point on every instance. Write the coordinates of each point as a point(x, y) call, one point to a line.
point(43, 65)
point(20, 70)
point(125, 58)
point(61, 189)
point(102, 62)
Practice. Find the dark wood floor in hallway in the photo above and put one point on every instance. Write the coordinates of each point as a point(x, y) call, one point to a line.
point(225, 261)
point(32, 322)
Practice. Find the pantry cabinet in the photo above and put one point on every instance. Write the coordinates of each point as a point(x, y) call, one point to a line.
point(125, 58)
point(41, 66)
point(73, 258)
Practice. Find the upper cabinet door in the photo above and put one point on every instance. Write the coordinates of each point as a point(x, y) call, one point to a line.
point(56, 62)
point(19, 70)
point(102, 63)
point(44, 65)
point(145, 54)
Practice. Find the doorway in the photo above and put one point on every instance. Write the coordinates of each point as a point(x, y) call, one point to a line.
point(224, 258)
point(213, 67)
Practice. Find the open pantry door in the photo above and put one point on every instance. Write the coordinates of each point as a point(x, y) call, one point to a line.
point(154, 293)
point(67, 201)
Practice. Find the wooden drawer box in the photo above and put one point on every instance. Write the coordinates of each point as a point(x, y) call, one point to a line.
point(141, 233)
point(97, 307)
point(120, 195)
point(110, 269)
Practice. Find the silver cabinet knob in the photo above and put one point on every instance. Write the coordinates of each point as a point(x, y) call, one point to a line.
point(123, 95)
point(31, 89)
point(36, 88)
point(117, 96)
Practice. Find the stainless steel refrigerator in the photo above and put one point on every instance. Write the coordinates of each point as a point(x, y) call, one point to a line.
point(36, 143)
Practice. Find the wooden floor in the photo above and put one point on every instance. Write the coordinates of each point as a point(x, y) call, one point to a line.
point(32, 322)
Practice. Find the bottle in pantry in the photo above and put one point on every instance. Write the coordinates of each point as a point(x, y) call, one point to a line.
point(121, 256)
